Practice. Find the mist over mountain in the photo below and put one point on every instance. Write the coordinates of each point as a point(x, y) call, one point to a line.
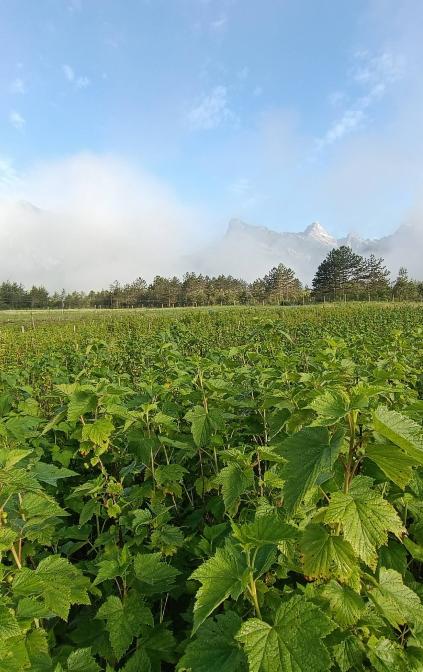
point(90, 249)
point(248, 251)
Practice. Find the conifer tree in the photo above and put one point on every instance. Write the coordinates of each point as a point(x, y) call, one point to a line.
point(338, 274)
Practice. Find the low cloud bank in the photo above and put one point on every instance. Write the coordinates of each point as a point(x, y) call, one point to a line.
point(83, 222)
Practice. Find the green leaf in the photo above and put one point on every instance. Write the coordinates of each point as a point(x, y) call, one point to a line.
point(8, 624)
point(81, 660)
point(365, 517)
point(221, 576)
point(349, 654)
point(9, 458)
point(138, 662)
point(169, 473)
point(386, 655)
point(395, 464)
point(124, 621)
point(265, 530)
point(155, 576)
point(90, 509)
point(36, 506)
point(235, 481)
point(80, 403)
point(201, 426)
point(396, 602)
point(49, 473)
point(292, 644)
point(58, 583)
point(309, 453)
point(98, 432)
point(330, 407)
point(415, 550)
point(7, 537)
point(215, 648)
point(38, 650)
point(346, 605)
point(107, 569)
point(401, 430)
point(325, 555)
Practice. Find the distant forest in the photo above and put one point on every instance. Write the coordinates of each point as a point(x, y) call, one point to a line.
point(342, 275)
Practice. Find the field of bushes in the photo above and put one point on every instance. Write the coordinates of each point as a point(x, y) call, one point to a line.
point(212, 490)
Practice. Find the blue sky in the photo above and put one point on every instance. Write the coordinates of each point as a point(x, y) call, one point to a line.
point(280, 111)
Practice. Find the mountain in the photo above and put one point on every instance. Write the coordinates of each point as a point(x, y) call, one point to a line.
point(249, 251)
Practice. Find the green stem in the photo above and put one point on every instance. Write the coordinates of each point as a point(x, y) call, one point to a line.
point(253, 592)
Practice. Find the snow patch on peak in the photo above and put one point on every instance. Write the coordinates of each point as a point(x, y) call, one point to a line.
point(317, 231)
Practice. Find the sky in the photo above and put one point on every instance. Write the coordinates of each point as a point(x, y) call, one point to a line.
point(180, 114)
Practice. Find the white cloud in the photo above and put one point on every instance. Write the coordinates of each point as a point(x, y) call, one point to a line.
point(350, 121)
point(373, 73)
point(219, 24)
point(17, 120)
point(68, 72)
point(82, 82)
point(337, 98)
point(8, 175)
point(240, 187)
point(211, 111)
point(79, 82)
point(385, 67)
point(90, 219)
point(18, 86)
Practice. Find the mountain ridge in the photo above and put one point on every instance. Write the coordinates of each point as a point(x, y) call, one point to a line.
point(250, 250)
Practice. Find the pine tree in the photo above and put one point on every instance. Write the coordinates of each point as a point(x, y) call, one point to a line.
point(339, 274)
point(281, 284)
point(376, 278)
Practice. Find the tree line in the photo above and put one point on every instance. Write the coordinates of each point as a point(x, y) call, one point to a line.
point(342, 275)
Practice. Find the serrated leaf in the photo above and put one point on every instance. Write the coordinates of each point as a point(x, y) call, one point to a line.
point(201, 427)
point(124, 621)
point(395, 464)
point(365, 517)
point(292, 644)
point(215, 648)
point(309, 453)
point(98, 432)
point(49, 473)
point(155, 575)
point(107, 569)
point(386, 655)
point(268, 529)
point(80, 403)
point(235, 481)
point(415, 550)
point(58, 583)
point(36, 505)
point(401, 430)
point(8, 624)
point(138, 662)
point(169, 473)
point(91, 508)
point(221, 576)
point(326, 555)
point(81, 660)
point(7, 537)
point(38, 650)
point(330, 407)
point(349, 654)
point(345, 604)
point(9, 458)
point(395, 601)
